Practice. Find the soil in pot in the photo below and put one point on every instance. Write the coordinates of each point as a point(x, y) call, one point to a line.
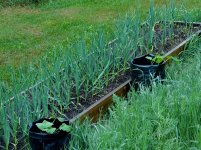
point(40, 140)
point(145, 71)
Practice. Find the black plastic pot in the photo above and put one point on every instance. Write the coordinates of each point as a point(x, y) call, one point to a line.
point(44, 141)
point(144, 71)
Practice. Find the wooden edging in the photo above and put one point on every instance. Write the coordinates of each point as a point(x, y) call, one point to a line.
point(179, 48)
point(194, 24)
point(94, 111)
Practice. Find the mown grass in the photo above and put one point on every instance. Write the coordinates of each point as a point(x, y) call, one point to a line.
point(32, 31)
point(165, 117)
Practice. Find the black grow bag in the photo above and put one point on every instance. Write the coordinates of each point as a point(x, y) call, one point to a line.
point(144, 71)
point(44, 141)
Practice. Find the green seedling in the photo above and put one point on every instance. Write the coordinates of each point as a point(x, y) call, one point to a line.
point(47, 126)
point(157, 59)
point(65, 127)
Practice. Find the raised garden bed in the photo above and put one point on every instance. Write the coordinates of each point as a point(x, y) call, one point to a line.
point(174, 49)
point(96, 104)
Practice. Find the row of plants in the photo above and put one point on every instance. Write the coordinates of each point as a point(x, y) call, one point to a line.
point(88, 72)
point(165, 117)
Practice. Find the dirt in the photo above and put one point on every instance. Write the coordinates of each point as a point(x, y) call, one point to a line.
point(19, 10)
point(85, 103)
point(67, 13)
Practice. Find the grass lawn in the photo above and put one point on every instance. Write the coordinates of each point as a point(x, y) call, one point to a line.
point(30, 32)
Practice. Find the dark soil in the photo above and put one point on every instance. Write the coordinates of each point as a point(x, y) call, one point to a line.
point(85, 103)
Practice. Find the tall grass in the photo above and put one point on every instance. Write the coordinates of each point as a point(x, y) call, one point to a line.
point(167, 117)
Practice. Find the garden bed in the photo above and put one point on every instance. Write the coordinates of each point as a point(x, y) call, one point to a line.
point(96, 103)
point(182, 33)
point(171, 48)
point(153, 119)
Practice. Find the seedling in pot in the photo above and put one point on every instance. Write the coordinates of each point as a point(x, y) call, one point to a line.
point(51, 133)
point(159, 59)
point(146, 69)
point(47, 126)
point(156, 59)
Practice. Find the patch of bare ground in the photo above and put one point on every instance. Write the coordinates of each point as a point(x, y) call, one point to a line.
point(18, 10)
point(68, 12)
point(35, 31)
point(101, 16)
